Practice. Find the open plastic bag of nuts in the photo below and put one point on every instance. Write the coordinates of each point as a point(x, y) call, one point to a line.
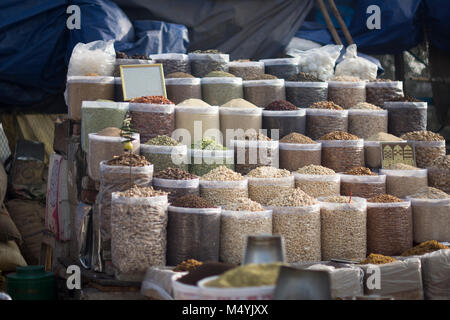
point(405, 116)
point(263, 92)
point(262, 190)
point(177, 188)
point(245, 69)
point(282, 68)
point(379, 92)
point(365, 123)
point(235, 226)
point(342, 155)
point(221, 193)
point(304, 94)
point(363, 186)
point(318, 185)
point(401, 183)
point(172, 62)
point(428, 151)
point(219, 90)
point(300, 227)
point(320, 122)
point(204, 63)
point(294, 155)
point(346, 94)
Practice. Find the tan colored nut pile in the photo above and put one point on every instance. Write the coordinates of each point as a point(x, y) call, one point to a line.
point(366, 106)
point(439, 173)
point(268, 172)
point(426, 154)
point(315, 169)
point(244, 204)
point(272, 181)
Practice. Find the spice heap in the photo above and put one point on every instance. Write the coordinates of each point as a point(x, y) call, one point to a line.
point(239, 103)
point(141, 192)
point(424, 247)
point(188, 265)
point(366, 106)
point(110, 132)
point(442, 162)
point(193, 103)
point(207, 269)
point(422, 136)
point(244, 204)
point(402, 166)
point(314, 169)
point(360, 171)
point(219, 74)
point(346, 79)
point(163, 141)
point(304, 77)
point(174, 174)
point(430, 193)
point(268, 172)
point(384, 198)
point(296, 198)
point(280, 105)
point(377, 259)
point(152, 100)
point(192, 201)
point(338, 199)
point(207, 144)
point(383, 136)
point(250, 275)
point(129, 159)
point(262, 77)
point(339, 135)
point(222, 173)
point(179, 75)
point(326, 105)
point(299, 138)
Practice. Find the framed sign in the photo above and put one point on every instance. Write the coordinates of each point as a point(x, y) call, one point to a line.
point(139, 80)
point(397, 152)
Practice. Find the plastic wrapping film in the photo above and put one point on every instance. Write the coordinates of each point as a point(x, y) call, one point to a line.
point(177, 188)
point(304, 94)
point(262, 190)
point(321, 121)
point(300, 228)
point(401, 280)
point(139, 238)
point(346, 280)
point(157, 283)
point(193, 233)
point(221, 193)
point(235, 226)
point(389, 228)
point(318, 185)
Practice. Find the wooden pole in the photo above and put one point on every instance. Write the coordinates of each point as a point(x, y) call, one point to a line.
point(338, 16)
point(329, 23)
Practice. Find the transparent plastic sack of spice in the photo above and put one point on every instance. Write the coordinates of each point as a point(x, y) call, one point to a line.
point(363, 186)
point(318, 185)
point(296, 155)
point(250, 154)
point(138, 239)
point(263, 190)
point(346, 93)
point(379, 92)
point(355, 66)
point(180, 89)
point(401, 183)
point(406, 116)
point(173, 62)
point(320, 122)
point(342, 155)
point(94, 57)
point(365, 123)
point(193, 233)
point(235, 226)
point(263, 92)
point(177, 188)
point(221, 193)
point(151, 120)
point(282, 68)
point(163, 157)
point(300, 228)
point(203, 161)
point(204, 63)
point(318, 61)
point(304, 94)
point(428, 151)
point(217, 91)
point(246, 69)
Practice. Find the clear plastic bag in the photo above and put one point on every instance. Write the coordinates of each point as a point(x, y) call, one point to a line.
point(188, 117)
point(157, 283)
point(177, 188)
point(81, 88)
point(217, 91)
point(318, 185)
point(263, 92)
point(320, 122)
point(235, 226)
point(172, 62)
point(431, 219)
point(193, 233)
point(363, 186)
point(236, 119)
point(251, 154)
point(439, 178)
point(285, 122)
point(203, 161)
point(163, 157)
point(355, 66)
point(342, 155)
point(204, 63)
point(96, 116)
point(262, 190)
point(282, 68)
point(389, 228)
point(428, 151)
point(152, 120)
point(138, 229)
point(221, 193)
point(401, 183)
point(94, 57)
point(300, 228)
point(379, 92)
point(103, 148)
point(246, 69)
point(365, 123)
point(318, 61)
point(336, 221)
point(180, 89)
point(295, 155)
point(406, 117)
point(346, 94)
point(304, 94)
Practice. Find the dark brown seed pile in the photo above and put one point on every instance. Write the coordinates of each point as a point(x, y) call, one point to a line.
point(280, 105)
point(192, 201)
point(129, 159)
